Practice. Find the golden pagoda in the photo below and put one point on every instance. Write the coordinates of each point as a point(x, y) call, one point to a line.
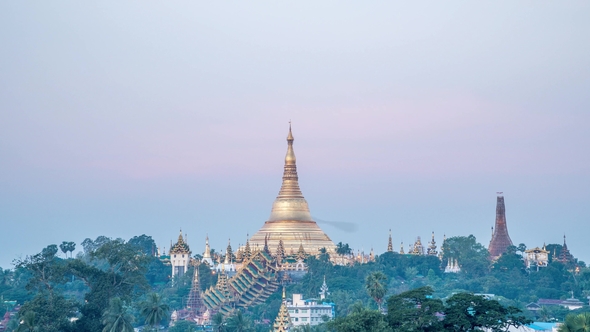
point(283, 320)
point(290, 220)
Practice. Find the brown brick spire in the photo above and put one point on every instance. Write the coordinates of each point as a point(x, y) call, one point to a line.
point(500, 238)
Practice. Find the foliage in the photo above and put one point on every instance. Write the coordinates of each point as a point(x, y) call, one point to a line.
point(219, 323)
point(239, 323)
point(66, 247)
point(376, 286)
point(144, 243)
point(576, 323)
point(363, 320)
point(154, 310)
point(48, 311)
point(117, 317)
point(414, 310)
point(472, 256)
point(183, 326)
point(468, 312)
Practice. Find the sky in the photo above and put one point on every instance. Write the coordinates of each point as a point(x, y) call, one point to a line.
point(123, 118)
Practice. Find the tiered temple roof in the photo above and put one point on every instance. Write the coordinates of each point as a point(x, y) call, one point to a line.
point(252, 285)
point(180, 247)
point(283, 320)
point(194, 301)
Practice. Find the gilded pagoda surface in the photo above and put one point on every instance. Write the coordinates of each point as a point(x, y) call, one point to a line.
point(290, 219)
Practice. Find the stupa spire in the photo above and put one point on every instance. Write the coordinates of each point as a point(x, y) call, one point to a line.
point(290, 214)
point(389, 243)
point(283, 320)
point(500, 238)
point(290, 187)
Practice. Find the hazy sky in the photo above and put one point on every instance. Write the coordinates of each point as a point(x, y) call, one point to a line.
point(129, 117)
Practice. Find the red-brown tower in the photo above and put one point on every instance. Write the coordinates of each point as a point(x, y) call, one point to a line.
point(500, 238)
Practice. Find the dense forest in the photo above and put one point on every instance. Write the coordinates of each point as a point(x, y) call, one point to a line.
point(113, 281)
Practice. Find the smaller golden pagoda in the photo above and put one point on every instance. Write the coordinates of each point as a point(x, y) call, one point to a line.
point(283, 320)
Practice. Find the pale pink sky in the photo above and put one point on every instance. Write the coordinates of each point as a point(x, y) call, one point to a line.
point(144, 117)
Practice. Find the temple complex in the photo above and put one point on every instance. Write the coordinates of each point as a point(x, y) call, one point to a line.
point(290, 224)
point(500, 238)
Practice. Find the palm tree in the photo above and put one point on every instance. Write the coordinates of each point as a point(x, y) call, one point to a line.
point(376, 286)
point(116, 318)
point(154, 310)
point(239, 323)
point(576, 323)
point(219, 322)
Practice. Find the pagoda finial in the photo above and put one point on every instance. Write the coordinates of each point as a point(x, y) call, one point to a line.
point(290, 187)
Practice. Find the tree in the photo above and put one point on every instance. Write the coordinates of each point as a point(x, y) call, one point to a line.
point(183, 326)
point(46, 269)
point(114, 269)
point(154, 310)
point(219, 324)
point(576, 323)
point(117, 317)
point(471, 255)
point(144, 243)
point(376, 286)
point(48, 312)
point(414, 310)
point(468, 312)
point(364, 320)
point(239, 323)
point(66, 247)
point(28, 323)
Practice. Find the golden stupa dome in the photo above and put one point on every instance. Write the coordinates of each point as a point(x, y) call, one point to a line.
point(290, 219)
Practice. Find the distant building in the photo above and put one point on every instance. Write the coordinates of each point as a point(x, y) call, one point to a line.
point(180, 255)
point(571, 303)
point(304, 312)
point(536, 257)
point(452, 266)
point(500, 238)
